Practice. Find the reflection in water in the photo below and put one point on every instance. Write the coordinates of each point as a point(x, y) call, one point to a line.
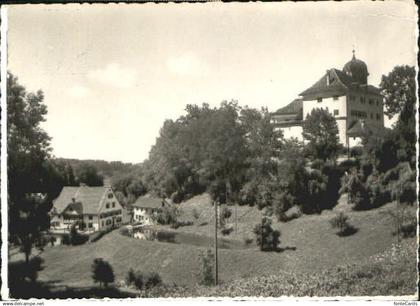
point(147, 233)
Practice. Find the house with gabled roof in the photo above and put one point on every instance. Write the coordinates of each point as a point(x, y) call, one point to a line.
point(146, 207)
point(92, 208)
point(345, 94)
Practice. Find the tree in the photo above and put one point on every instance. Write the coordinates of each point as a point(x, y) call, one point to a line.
point(102, 272)
point(28, 145)
point(321, 131)
point(88, 174)
point(267, 238)
point(399, 91)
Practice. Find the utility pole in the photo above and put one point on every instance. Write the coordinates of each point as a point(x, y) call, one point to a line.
point(216, 266)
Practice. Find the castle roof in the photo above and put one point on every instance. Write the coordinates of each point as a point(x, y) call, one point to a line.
point(336, 83)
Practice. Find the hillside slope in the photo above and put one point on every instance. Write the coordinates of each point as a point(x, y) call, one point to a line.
point(312, 247)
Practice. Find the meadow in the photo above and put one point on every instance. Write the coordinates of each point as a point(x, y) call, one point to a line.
point(314, 260)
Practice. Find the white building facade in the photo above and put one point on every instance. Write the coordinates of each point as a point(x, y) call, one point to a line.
point(345, 95)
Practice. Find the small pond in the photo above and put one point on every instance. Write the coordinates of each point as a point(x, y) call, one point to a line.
point(150, 234)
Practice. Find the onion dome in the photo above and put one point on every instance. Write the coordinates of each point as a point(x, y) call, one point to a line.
point(357, 70)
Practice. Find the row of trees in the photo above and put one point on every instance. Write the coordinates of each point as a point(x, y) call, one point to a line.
point(238, 156)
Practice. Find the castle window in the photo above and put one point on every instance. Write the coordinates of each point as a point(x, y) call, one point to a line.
point(335, 98)
point(319, 99)
point(370, 101)
point(336, 112)
point(362, 100)
point(371, 115)
point(378, 117)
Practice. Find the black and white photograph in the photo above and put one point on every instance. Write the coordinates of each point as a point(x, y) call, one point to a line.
point(241, 150)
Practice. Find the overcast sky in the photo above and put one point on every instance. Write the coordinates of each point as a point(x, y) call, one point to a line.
point(112, 74)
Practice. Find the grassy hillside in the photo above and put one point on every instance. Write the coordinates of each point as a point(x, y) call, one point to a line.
point(316, 248)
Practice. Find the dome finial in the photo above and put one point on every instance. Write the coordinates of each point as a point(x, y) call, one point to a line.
point(354, 53)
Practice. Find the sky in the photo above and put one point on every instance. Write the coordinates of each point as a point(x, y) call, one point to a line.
point(112, 74)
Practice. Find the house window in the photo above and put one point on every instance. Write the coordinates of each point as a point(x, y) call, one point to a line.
point(362, 100)
point(378, 117)
point(102, 223)
point(107, 205)
point(90, 224)
point(336, 112)
point(113, 204)
point(371, 115)
point(319, 99)
point(335, 98)
point(90, 217)
point(370, 101)
point(110, 196)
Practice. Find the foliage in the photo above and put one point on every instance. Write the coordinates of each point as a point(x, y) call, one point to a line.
point(102, 272)
point(75, 238)
point(206, 273)
point(30, 172)
point(248, 240)
point(341, 223)
point(404, 221)
point(226, 231)
point(399, 89)
point(128, 187)
point(293, 213)
point(321, 131)
point(88, 174)
point(141, 280)
point(266, 237)
point(167, 215)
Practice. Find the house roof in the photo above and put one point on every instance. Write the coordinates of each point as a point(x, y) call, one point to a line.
point(291, 114)
point(293, 107)
point(335, 83)
point(148, 202)
point(89, 197)
point(359, 127)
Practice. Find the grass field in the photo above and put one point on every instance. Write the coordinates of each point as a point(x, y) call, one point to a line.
point(317, 248)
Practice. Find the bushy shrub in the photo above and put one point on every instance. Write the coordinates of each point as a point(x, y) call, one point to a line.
point(143, 280)
point(76, 238)
point(267, 238)
point(409, 228)
point(167, 215)
point(227, 230)
point(66, 239)
point(283, 202)
point(206, 273)
point(292, 213)
point(124, 231)
point(248, 240)
point(340, 222)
